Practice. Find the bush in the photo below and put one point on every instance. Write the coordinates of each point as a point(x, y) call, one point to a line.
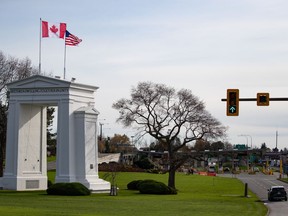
point(155, 187)
point(144, 163)
point(68, 189)
point(150, 187)
point(134, 185)
point(49, 183)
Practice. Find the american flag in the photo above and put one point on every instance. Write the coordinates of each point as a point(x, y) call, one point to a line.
point(71, 40)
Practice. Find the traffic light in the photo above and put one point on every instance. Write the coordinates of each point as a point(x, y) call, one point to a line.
point(232, 102)
point(262, 99)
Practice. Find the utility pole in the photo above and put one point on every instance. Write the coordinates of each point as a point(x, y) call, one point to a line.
point(101, 128)
point(276, 139)
point(101, 125)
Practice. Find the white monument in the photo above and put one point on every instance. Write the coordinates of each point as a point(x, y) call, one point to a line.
point(77, 151)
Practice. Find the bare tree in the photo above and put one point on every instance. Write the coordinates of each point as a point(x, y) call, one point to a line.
point(202, 145)
point(166, 114)
point(13, 69)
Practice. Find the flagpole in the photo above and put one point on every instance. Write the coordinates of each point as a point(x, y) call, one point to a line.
point(40, 42)
point(64, 76)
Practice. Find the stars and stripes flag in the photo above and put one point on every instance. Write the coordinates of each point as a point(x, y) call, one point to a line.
point(71, 40)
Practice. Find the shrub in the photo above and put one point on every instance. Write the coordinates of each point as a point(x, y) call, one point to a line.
point(150, 187)
point(134, 185)
point(144, 163)
point(68, 189)
point(155, 187)
point(49, 183)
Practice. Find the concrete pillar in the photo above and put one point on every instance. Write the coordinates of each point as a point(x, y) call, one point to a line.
point(26, 148)
point(86, 153)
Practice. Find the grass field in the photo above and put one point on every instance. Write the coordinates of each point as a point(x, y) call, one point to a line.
point(197, 195)
point(51, 158)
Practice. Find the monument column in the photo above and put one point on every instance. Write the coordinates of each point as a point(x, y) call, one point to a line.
point(11, 147)
point(26, 147)
point(87, 149)
point(65, 170)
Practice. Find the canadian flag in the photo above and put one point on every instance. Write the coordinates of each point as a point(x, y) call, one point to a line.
point(53, 30)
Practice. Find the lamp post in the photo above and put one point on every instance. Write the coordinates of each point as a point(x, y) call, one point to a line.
point(246, 135)
point(101, 125)
point(250, 140)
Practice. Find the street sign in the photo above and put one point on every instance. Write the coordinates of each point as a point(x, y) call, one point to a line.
point(262, 99)
point(241, 146)
point(232, 102)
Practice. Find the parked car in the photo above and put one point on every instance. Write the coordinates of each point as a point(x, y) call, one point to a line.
point(255, 169)
point(277, 193)
point(211, 171)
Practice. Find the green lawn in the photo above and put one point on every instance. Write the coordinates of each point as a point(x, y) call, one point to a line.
point(284, 180)
point(51, 158)
point(197, 195)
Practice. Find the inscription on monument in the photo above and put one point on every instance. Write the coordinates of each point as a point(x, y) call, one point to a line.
point(39, 90)
point(32, 184)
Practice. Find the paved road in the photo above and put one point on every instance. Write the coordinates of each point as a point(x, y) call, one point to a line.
point(259, 184)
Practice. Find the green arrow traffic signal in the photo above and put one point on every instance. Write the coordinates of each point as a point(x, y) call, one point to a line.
point(232, 102)
point(232, 109)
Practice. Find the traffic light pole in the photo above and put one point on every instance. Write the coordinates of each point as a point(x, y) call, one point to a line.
point(255, 99)
point(233, 99)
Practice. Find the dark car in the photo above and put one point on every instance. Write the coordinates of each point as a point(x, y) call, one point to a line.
point(277, 193)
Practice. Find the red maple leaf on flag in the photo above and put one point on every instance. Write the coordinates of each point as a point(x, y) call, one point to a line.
point(54, 29)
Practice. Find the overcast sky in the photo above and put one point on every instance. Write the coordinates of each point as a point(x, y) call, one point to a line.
point(207, 46)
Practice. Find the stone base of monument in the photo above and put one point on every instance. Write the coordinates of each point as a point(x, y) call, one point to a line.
point(92, 182)
point(97, 186)
point(23, 183)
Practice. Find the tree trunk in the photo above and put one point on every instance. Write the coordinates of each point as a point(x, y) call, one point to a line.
point(1, 167)
point(1, 160)
point(171, 178)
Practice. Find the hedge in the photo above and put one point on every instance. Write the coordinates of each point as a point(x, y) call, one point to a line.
point(68, 189)
point(150, 187)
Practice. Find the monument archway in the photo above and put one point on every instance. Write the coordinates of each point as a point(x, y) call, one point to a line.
point(26, 147)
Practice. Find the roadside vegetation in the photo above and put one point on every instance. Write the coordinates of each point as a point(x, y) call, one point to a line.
point(284, 180)
point(196, 195)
